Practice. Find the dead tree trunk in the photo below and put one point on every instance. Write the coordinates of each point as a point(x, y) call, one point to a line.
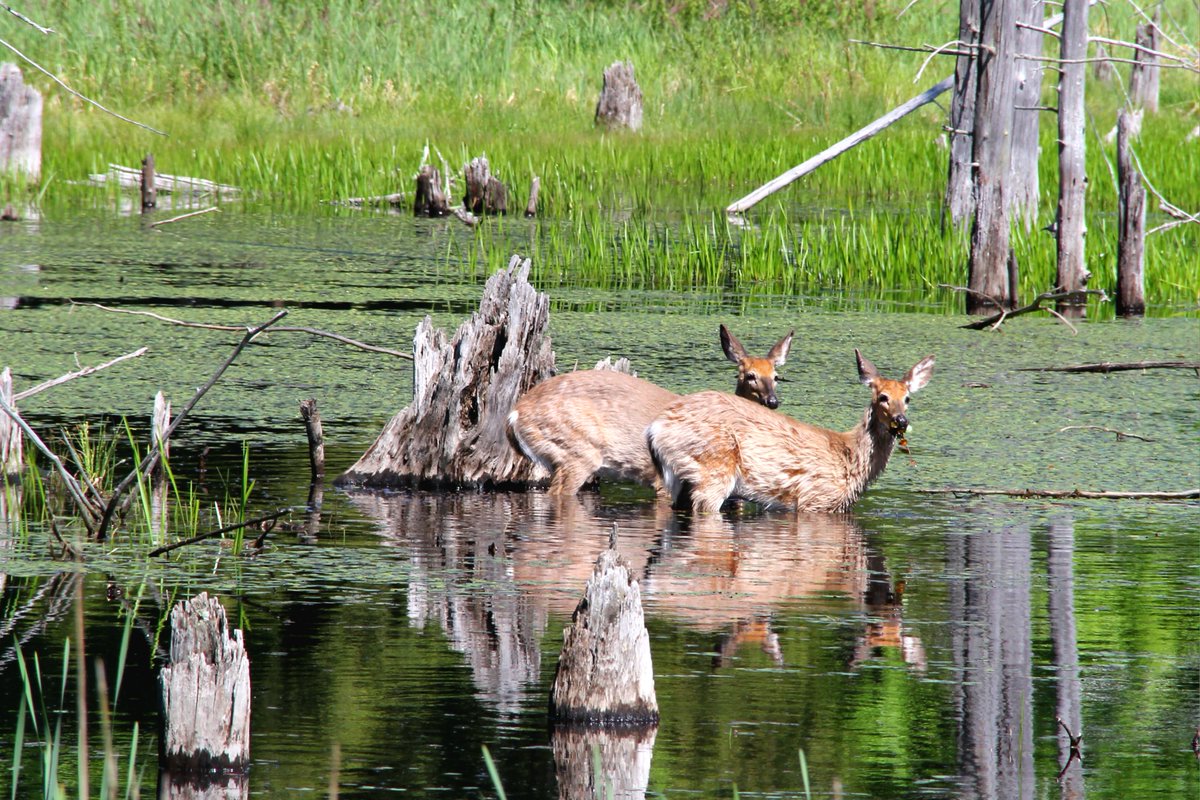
point(485, 194)
point(11, 461)
point(604, 676)
point(430, 199)
point(531, 206)
point(1131, 211)
point(989, 273)
point(205, 695)
point(620, 104)
point(453, 434)
point(316, 437)
point(1072, 274)
point(1023, 194)
point(20, 126)
point(1143, 78)
point(960, 186)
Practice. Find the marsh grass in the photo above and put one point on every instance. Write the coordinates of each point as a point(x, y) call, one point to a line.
point(269, 97)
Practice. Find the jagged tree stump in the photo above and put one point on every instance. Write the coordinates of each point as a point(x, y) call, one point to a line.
point(604, 675)
point(453, 433)
point(20, 126)
point(205, 694)
point(620, 104)
point(430, 199)
point(485, 193)
point(11, 461)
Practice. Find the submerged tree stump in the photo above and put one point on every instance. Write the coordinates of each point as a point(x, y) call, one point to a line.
point(20, 126)
point(485, 193)
point(453, 433)
point(604, 675)
point(620, 104)
point(430, 199)
point(205, 693)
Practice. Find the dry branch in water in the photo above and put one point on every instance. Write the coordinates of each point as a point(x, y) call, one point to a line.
point(161, 222)
point(259, 521)
point(1106, 366)
point(1120, 434)
point(1071, 494)
point(997, 319)
point(79, 374)
point(337, 337)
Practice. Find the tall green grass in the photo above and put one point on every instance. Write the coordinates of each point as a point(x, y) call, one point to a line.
point(303, 102)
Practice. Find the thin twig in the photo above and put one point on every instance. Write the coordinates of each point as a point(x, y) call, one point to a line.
point(208, 210)
point(26, 20)
point(86, 99)
point(79, 374)
point(151, 460)
point(158, 551)
point(1080, 494)
point(1141, 49)
point(925, 48)
point(1120, 434)
point(1105, 59)
point(280, 329)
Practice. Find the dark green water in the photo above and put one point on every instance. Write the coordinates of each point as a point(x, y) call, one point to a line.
point(920, 647)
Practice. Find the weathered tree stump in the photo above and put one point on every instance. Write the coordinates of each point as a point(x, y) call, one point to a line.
point(531, 206)
point(11, 461)
point(430, 199)
point(149, 190)
point(624, 762)
point(1131, 213)
point(20, 126)
point(620, 104)
point(485, 194)
point(605, 677)
point(205, 694)
point(453, 433)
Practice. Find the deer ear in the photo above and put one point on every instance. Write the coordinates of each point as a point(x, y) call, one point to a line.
point(779, 353)
point(920, 374)
point(732, 347)
point(866, 370)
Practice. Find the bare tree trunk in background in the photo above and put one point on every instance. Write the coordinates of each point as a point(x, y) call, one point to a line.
point(1131, 212)
point(960, 186)
point(1143, 78)
point(1072, 275)
point(620, 103)
point(989, 273)
point(1023, 192)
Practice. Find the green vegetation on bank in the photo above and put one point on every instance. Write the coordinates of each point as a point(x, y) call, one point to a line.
point(302, 102)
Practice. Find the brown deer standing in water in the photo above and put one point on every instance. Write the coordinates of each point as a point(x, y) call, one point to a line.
point(710, 446)
point(592, 423)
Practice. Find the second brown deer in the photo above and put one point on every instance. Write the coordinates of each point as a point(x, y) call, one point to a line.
point(710, 446)
point(592, 423)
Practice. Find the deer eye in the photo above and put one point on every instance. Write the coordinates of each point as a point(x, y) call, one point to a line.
point(907, 398)
point(751, 378)
point(883, 398)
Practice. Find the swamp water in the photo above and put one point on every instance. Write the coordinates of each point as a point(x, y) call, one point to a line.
point(922, 646)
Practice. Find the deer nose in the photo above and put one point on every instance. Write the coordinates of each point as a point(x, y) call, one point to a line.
point(900, 423)
point(771, 402)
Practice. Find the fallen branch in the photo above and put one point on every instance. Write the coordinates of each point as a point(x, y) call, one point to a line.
point(997, 319)
point(337, 337)
point(859, 136)
point(1072, 494)
point(208, 210)
point(1120, 434)
point(151, 460)
point(158, 551)
point(1107, 367)
point(73, 375)
point(86, 509)
point(84, 98)
point(26, 20)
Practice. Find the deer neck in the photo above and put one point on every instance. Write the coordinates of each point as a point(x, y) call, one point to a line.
point(870, 448)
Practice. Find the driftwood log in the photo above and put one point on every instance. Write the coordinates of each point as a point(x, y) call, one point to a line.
point(605, 677)
point(453, 432)
point(620, 103)
point(485, 193)
point(20, 126)
point(205, 693)
point(430, 198)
